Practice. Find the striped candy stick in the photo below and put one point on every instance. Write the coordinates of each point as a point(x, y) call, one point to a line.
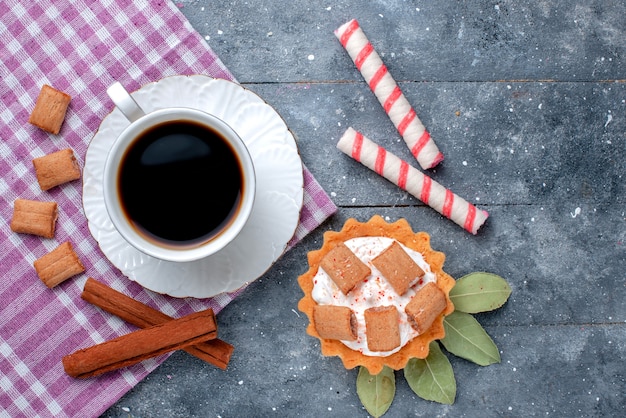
point(397, 107)
point(412, 180)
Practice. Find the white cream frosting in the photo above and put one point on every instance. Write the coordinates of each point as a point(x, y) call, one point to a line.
point(371, 292)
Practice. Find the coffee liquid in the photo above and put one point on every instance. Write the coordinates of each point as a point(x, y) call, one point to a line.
point(180, 183)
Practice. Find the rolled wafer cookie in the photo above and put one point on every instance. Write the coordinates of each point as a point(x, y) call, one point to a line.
point(397, 107)
point(409, 178)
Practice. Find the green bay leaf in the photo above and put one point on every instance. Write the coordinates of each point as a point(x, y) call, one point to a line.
point(376, 392)
point(479, 292)
point(467, 339)
point(432, 378)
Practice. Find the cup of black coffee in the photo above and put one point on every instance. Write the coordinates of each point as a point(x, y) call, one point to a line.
point(179, 183)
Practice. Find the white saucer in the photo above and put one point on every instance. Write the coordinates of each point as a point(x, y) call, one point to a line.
point(278, 201)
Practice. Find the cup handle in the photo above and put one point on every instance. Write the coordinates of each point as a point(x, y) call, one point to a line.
point(124, 102)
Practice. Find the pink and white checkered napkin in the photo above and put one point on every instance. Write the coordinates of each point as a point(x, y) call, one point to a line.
point(81, 47)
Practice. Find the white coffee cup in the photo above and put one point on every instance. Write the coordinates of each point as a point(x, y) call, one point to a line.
point(179, 183)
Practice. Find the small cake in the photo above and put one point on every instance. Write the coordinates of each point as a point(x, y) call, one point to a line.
point(376, 294)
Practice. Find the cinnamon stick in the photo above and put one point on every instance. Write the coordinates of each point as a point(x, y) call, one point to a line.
point(215, 352)
point(142, 344)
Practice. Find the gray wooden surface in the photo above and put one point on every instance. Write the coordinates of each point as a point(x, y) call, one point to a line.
point(527, 100)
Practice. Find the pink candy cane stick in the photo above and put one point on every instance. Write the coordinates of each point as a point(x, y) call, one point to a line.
point(412, 180)
point(389, 95)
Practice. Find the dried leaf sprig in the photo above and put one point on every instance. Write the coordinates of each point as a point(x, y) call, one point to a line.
point(432, 378)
